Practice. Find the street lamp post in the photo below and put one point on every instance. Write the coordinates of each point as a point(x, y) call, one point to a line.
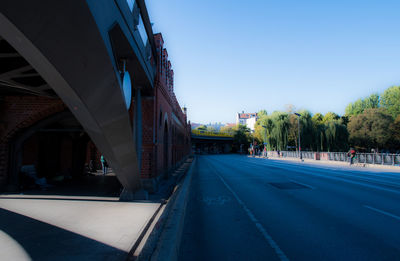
point(298, 131)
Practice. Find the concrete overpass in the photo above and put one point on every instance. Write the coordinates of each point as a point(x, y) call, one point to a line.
point(211, 141)
point(80, 52)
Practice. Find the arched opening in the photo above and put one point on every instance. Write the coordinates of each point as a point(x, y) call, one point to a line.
point(56, 154)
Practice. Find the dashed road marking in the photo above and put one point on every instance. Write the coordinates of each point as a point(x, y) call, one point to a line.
point(383, 212)
point(220, 200)
point(305, 185)
point(263, 231)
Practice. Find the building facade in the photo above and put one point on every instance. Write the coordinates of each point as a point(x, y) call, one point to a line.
point(166, 131)
point(248, 119)
point(61, 98)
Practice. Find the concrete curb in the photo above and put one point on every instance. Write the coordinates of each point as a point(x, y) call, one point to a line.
point(164, 241)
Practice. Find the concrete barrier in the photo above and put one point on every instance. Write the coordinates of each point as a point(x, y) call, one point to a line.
point(165, 238)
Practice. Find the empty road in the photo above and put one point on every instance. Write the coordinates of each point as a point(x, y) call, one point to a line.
point(243, 208)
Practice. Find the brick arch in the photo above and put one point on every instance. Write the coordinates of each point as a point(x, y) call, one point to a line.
point(22, 112)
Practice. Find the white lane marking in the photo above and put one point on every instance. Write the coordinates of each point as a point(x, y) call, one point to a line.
point(264, 232)
point(305, 185)
point(383, 212)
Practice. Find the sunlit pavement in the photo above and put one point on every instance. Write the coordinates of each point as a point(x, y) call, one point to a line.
point(244, 208)
point(70, 228)
point(332, 163)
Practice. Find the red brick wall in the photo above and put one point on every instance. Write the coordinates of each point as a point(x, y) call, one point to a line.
point(148, 154)
point(17, 113)
point(92, 151)
point(164, 102)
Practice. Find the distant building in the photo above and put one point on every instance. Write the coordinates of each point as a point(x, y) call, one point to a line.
point(251, 122)
point(248, 119)
point(230, 125)
point(195, 125)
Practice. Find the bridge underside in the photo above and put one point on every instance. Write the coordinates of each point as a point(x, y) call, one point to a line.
point(213, 145)
point(74, 50)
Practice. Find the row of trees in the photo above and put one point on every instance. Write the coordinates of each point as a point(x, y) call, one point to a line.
point(279, 131)
point(375, 121)
point(369, 123)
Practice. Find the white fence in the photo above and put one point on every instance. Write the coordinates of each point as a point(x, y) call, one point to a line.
point(369, 158)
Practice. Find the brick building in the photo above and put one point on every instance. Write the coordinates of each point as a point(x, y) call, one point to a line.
point(40, 130)
point(166, 132)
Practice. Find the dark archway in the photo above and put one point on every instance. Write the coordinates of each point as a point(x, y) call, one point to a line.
point(53, 146)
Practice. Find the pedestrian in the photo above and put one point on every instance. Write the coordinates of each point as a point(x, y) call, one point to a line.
point(351, 154)
point(104, 164)
point(91, 166)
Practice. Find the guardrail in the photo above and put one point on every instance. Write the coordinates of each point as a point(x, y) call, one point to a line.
point(212, 133)
point(367, 158)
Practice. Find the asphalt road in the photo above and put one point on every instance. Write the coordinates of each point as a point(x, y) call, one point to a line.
point(245, 208)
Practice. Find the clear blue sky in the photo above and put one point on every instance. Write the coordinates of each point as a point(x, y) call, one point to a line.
point(230, 56)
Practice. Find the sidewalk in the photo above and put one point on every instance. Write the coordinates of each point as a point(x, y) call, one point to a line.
point(70, 228)
point(337, 163)
point(59, 227)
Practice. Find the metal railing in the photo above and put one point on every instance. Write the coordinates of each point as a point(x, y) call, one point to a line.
point(366, 158)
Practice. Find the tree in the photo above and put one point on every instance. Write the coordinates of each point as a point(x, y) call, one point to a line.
point(306, 130)
point(394, 143)
point(391, 100)
point(330, 116)
point(336, 136)
point(280, 130)
point(319, 131)
point(259, 132)
point(262, 113)
point(241, 136)
point(227, 129)
point(266, 132)
point(202, 128)
point(211, 129)
point(370, 102)
point(293, 131)
point(370, 129)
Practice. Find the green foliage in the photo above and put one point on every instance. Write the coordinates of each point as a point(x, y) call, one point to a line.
point(226, 129)
point(241, 136)
point(262, 113)
point(336, 136)
point(395, 130)
point(317, 118)
point(306, 130)
point(373, 101)
point(370, 129)
point(330, 116)
point(211, 129)
point(202, 127)
point(368, 123)
point(319, 132)
point(391, 100)
point(280, 131)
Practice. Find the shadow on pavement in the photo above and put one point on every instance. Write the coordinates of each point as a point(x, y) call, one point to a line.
point(42, 241)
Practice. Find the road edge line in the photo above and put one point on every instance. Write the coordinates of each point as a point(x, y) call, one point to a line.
point(164, 240)
point(278, 251)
